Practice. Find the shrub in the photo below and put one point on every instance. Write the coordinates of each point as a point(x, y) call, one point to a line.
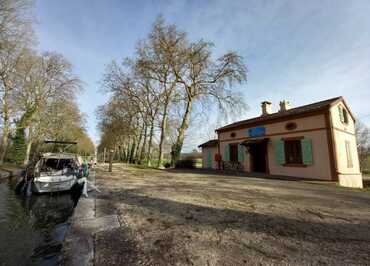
point(167, 165)
point(191, 163)
point(18, 148)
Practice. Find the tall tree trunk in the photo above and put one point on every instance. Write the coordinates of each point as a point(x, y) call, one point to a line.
point(177, 146)
point(4, 141)
point(121, 153)
point(110, 160)
point(150, 142)
point(6, 128)
point(140, 137)
point(132, 151)
point(163, 134)
point(142, 152)
point(28, 147)
point(127, 152)
point(26, 122)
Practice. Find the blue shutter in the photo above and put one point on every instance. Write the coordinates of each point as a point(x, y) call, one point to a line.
point(241, 151)
point(209, 159)
point(279, 152)
point(227, 152)
point(307, 157)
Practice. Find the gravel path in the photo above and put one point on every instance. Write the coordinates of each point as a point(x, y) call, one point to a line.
point(172, 217)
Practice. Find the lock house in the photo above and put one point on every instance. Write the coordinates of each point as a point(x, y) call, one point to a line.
point(314, 141)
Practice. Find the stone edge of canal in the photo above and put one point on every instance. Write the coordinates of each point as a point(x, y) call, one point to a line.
point(10, 173)
point(79, 242)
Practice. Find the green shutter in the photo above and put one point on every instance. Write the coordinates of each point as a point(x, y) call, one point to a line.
point(209, 159)
point(241, 152)
point(307, 157)
point(341, 116)
point(279, 152)
point(227, 152)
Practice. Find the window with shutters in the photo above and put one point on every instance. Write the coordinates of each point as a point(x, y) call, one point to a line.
point(233, 152)
point(349, 154)
point(293, 151)
point(343, 114)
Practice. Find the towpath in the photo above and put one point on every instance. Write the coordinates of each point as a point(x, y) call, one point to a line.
point(193, 217)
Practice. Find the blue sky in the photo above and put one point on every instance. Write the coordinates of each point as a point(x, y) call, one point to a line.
point(302, 51)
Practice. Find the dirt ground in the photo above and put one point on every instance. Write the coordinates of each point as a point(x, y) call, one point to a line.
point(184, 217)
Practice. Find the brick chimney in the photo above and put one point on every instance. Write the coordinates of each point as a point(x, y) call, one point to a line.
point(284, 106)
point(266, 108)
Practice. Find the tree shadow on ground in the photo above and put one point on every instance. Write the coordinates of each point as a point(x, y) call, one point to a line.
point(231, 173)
point(252, 222)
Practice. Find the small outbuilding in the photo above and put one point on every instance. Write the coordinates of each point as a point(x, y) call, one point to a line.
point(314, 141)
point(209, 151)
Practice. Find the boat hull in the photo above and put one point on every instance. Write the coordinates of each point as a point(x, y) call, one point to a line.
point(47, 186)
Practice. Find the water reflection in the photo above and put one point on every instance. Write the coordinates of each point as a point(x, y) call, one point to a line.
point(32, 229)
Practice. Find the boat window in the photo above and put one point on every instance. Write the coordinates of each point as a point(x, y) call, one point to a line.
point(57, 164)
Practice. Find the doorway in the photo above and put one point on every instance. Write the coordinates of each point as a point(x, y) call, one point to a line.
point(258, 155)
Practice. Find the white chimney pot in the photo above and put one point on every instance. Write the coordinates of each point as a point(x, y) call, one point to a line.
point(266, 108)
point(284, 106)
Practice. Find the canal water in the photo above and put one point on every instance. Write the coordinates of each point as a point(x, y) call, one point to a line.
point(32, 229)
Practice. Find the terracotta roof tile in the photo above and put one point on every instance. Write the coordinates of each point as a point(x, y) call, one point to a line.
point(294, 111)
point(210, 143)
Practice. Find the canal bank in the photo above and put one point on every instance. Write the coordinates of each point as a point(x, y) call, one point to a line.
point(195, 217)
point(94, 227)
point(7, 171)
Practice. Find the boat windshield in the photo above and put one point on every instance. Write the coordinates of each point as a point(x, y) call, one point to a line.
point(55, 164)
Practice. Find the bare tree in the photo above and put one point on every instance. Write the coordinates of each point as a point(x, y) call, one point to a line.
point(9, 59)
point(163, 82)
point(203, 79)
point(363, 144)
point(43, 79)
point(15, 35)
point(154, 61)
point(136, 107)
point(15, 22)
point(36, 91)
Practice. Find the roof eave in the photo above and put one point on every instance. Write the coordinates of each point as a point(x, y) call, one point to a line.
point(270, 120)
point(341, 99)
point(209, 144)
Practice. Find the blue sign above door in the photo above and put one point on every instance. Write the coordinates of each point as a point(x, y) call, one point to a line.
point(256, 132)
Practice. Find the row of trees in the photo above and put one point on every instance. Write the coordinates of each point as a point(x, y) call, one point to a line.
point(363, 145)
point(38, 91)
point(154, 93)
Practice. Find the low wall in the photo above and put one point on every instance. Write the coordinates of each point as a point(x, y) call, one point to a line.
point(6, 172)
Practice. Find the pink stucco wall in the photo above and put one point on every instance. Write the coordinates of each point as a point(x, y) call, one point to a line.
point(312, 127)
point(205, 151)
point(348, 176)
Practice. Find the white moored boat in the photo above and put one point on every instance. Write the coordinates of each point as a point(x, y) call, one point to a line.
point(56, 172)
